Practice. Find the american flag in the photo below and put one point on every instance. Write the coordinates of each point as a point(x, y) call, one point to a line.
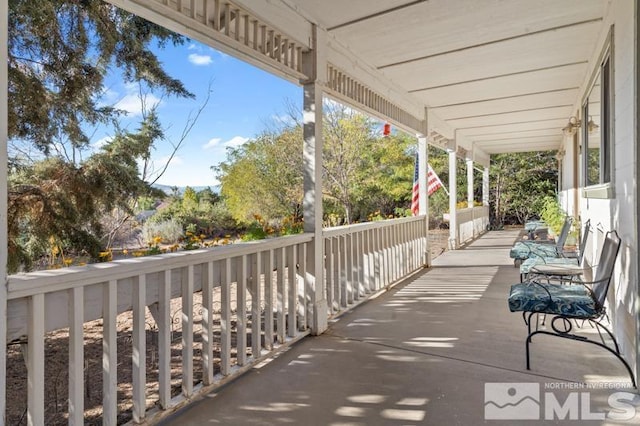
point(433, 184)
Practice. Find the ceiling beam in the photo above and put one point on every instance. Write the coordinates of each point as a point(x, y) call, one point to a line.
point(494, 77)
point(375, 15)
point(502, 40)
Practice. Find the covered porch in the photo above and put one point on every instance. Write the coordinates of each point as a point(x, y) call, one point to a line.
point(370, 368)
point(473, 78)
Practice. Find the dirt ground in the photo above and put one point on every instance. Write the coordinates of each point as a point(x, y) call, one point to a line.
point(56, 362)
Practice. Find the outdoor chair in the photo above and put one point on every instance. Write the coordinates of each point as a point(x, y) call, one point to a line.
point(577, 300)
point(535, 229)
point(522, 250)
point(568, 260)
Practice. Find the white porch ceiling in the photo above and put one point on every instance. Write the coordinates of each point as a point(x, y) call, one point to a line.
point(503, 74)
point(500, 75)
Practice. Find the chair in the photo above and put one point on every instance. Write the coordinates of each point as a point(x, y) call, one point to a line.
point(580, 300)
point(522, 250)
point(568, 260)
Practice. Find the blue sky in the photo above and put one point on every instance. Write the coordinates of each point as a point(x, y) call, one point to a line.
point(244, 101)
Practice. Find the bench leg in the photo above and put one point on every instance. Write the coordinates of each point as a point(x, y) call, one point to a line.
point(615, 352)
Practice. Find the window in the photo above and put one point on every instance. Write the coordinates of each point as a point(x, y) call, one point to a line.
point(597, 140)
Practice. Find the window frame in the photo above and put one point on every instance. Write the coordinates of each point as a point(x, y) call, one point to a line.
point(604, 72)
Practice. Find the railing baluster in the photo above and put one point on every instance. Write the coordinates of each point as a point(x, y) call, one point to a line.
point(225, 318)
point(281, 294)
point(277, 47)
point(256, 300)
point(139, 352)
point(379, 270)
point(237, 20)
point(337, 273)
point(302, 287)
point(292, 285)
point(227, 19)
point(187, 331)
point(241, 309)
point(164, 341)
point(366, 250)
point(76, 356)
point(207, 327)
point(245, 24)
point(329, 266)
point(254, 24)
point(387, 255)
point(358, 265)
point(395, 251)
point(217, 11)
point(35, 361)
point(109, 354)
point(268, 299)
point(351, 285)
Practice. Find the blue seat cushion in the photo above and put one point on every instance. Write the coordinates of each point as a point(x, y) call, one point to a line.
point(569, 300)
point(531, 262)
point(526, 249)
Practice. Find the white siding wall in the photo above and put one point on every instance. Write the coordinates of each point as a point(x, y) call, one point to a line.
point(619, 212)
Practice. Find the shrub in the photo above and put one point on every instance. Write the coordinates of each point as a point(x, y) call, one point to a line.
point(552, 214)
point(169, 231)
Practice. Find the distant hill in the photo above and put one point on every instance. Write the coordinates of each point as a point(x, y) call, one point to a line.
point(167, 189)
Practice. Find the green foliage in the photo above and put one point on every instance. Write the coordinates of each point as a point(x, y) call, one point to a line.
point(385, 180)
point(264, 176)
point(189, 200)
point(362, 172)
point(56, 197)
point(145, 203)
point(552, 214)
point(520, 182)
point(210, 216)
point(254, 231)
point(59, 55)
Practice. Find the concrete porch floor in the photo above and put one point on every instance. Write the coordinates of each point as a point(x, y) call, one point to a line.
point(422, 353)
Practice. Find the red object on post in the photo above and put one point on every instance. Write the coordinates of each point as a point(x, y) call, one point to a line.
point(387, 129)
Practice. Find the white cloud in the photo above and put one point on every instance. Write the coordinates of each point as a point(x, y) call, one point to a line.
point(109, 95)
point(192, 46)
point(175, 161)
point(212, 143)
point(233, 142)
point(200, 60)
point(102, 142)
point(132, 103)
point(236, 141)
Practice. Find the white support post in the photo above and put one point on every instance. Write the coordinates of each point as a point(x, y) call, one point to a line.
point(453, 215)
point(485, 187)
point(314, 66)
point(423, 195)
point(4, 133)
point(469, 182)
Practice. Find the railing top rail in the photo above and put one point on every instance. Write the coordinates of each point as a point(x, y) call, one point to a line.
point(29, 284)
point(359, 227)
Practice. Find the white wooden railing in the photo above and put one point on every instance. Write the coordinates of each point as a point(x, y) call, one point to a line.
point(471, 222)
point(364, 258)
point(189, 321)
